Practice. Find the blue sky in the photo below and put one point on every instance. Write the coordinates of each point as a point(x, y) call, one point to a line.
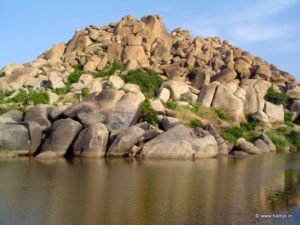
point(266, 28)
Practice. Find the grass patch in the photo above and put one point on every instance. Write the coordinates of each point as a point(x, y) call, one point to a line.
point(245, 130)
point(195, 123)
point(221, 113)
point(288, 118)
point(276, 97)
point(170, 105)
point(278, 140)
point(85, 91)
point(147, 113)
point(76, 74)
point(149, 82)
point(110, 69)
point(61, 91)
point(294, 138)
point(2, 74)
point(36, 97)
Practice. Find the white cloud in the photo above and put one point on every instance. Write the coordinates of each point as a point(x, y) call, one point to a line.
point(250, 23)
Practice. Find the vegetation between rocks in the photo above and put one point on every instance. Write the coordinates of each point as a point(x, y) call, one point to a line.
point(147, 113)
point(284, 137)
point(148, 81)
point(76, 74)
point(245, 130)
point(85, 91)
point(110, 69)
point(276, 97)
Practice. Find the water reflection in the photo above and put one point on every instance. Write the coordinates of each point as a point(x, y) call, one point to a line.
point(91, 191)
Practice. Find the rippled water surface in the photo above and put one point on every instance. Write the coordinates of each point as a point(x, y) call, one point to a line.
point(120, 192)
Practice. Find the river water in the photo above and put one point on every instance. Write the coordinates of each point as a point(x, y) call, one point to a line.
point(221, 191)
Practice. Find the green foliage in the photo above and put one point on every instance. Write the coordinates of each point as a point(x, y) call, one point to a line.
point(294, 138)
point(61, 91)
point(279, 140)
point(276, 97)
point(76, 74)
point(37, 97)
point(185, 97)
point(5, 94)
point(245, 130)
point(170, 105)
point(288, 118)
point(85, 91)
point(2, 74)
point(220, 113)
point(148, 81)
point(195, 123)
point(110, 69)
point(148, 113)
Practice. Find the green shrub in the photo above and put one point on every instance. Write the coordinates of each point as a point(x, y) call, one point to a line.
point(276, 97)
point(195, 123)
point(148, 81)
point(288, 118)
point(85, 91)
point(2, 74)
point(147, 113)
point(185, 97)
point(279, 140)
point(245, 130)
point(61, 91)
point(110, 69)
point(294, 138)
point(37, 97)
point(221, 113)
point(170, 105)
point(76, 74)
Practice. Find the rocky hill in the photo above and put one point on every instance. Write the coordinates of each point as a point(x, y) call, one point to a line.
point(133, 89)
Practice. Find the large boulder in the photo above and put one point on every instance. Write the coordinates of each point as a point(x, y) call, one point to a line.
point(35, 134)
point(180, 142)
point(173, 71)
point(17, 78)
point(56, 52)
point(224, 99)
point(13, 116)
point(199, 77)
point(120, 109)
point(274, 112)
point(177, 88)
point(125, 140)
point(92, 141)
point(61, 135)
point(88, 119)
point(39, 114)
point(225, 75)
point(14, 137)
point(246, 146)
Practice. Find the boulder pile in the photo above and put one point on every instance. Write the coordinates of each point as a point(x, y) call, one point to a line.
point(108, 122)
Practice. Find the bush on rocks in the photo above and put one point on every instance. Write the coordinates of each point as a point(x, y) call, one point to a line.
point(110, 69)
point(276, 97)
point(76, 74)
point(149, 82)
point(147, 113)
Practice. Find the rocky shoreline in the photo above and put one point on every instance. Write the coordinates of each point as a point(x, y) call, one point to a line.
point(131, 89)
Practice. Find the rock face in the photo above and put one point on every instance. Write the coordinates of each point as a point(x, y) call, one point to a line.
point(61, 135)
point(39, 114)
point(14, 137)
point(180, 142)
point(245, 146)
point(120, 110)
point(125, 140)
point(13, 116)
point(92, 141)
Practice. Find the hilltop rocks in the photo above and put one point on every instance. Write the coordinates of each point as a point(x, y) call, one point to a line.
point(61, 135)
point(177, 88)
point(180, 142)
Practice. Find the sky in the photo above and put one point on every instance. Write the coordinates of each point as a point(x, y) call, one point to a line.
point(266, 28)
